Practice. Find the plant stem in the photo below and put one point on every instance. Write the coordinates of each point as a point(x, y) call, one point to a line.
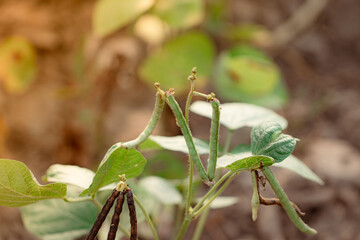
point(96, 203)
point(294, 217)
point(200, 225)
point(147, 218)
point(212, 190)
point(206, 96)
point(213, 197)
point(227, 142)
point(184, 227)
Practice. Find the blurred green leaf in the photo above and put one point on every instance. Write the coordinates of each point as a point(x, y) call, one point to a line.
point(245, 32)
point(70, 174)
point(294, 164)
point(180, 14)
point(237, 115)
point(166, 165)
point(267, 139)
point(240, 149)
point(120, 161)
point(176, 143)
point(246, 74)
point(58, 220)
point(171, 64)
point(18, 186)
point(161, 189)
point(111, 15)
point(18, 64)
point(249, 163)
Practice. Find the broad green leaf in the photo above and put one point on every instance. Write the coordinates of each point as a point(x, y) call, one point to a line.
point(240, 149)
point(161, 189)
point(166, 165)
point(17, 64)
point(70, 174)
point(176, 143)
point(171, 65)
point(111, 15)
point(58, 220)
point(267, 139)
point(250, 163)
point(294, 164)
point(180, 14)
point(18, 186)
point(120, 161)
point(228, 159)
point(246, 74)
point(237, 115)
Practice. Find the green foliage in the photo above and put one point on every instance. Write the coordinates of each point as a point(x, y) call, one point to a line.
point(111, 15)
point(267, 139)
point(18, 64)
point(176, 143)
point(18, 187)
point(179, 14)
point(250, 163)
point(58, 220)
point(167, 165)
point(237, 115)
point(70, 174)
point(121, 161)
point(246, 74)
point(161, 190)
point(294, 164)
point(174, 59)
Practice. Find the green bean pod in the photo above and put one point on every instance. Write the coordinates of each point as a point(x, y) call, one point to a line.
point(159, 106)
point(214, 138)
point(194, 156)
point(285, 202)
point(255, 202)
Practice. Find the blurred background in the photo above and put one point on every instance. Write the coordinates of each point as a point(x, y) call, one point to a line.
point(77, 76)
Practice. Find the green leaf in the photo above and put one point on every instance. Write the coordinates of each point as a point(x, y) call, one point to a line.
point(246, 74)
point(18, 64)
point(121, 161)
point(180, 14)
point(245, 32)
point(170, 65)
point(250, 163)
point(237, 115)
point(294, 164)
point(176, 143)
point(111, 15)
point(228, 159)
point(161, 189)
point(58, 220)
point(267, 139)
point(166, 165)
point(70, 174)
point(240, 149)
point(18, 186)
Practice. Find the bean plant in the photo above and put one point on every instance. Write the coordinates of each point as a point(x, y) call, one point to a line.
point(78, 202)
